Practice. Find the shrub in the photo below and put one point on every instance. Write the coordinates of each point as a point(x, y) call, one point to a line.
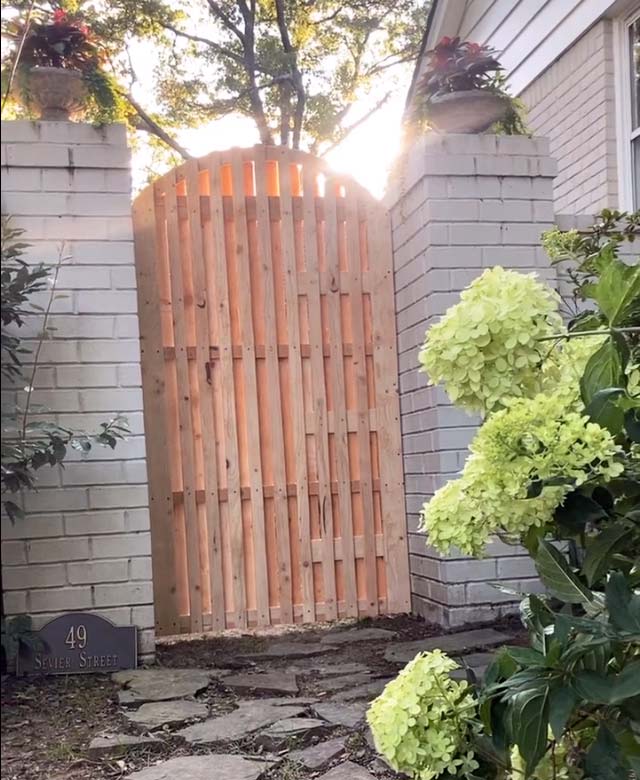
point(557, 459)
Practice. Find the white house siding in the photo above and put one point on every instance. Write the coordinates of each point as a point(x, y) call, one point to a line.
point(529, 34)
point(558, 56)
point(573, 105)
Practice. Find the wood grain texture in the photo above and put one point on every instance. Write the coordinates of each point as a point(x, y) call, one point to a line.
point(269, 362)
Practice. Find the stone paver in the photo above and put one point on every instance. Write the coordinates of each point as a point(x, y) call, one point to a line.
point(291, 650)
point(331, 670)
point(210, 767)
point(352, 635)
point(247, 718)
point(349, 715)
point(403, 652)
point(279, 734)
point(477, 662)
point(318, 756)
point(160, 684)
point(155, 715)
point(263, 682)
point(332, 684)
point(119, 743)
point(367, 691)
point(287, 701)
point(346, 771)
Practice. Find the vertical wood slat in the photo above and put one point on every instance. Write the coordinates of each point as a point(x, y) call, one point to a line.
point(360, 378)
point(201, 304)
point(251, 391)
point(164, 567)
point(283, 544)
point(168, 189)
point(385, 361)
point(232, 176)
point(297, 398)
point(337, 381)
point(221, 287)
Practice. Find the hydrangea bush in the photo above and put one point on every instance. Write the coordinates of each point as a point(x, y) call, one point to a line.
point(556, 459)
point(487, 347)
point(525, 459)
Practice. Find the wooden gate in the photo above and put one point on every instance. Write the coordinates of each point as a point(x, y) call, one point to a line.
point(269, 369)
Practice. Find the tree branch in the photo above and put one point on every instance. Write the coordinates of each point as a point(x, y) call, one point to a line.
point(224, 17)
point(206, 41)
point(296, 79)
point(151, 126)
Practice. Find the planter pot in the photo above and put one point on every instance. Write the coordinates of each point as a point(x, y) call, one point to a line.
point(56, 93)
point(471, 111)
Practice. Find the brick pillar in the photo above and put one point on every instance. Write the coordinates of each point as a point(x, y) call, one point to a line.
point(459, 204)
point(84, 544)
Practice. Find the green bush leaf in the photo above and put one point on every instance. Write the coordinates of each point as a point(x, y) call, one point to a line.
point(609, 688)
point(632, 424)
point(616, 290)
point(604, 369)
point(555, 573)
point(604, 761)
point(578, 510)
point(600, 550)
point(604, 409)
point(530, 724)
point(622, 603)
point(562, 701)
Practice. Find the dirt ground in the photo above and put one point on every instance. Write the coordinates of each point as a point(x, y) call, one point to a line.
point(47, 723)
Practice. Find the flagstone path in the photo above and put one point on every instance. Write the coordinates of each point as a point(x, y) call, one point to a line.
point(292, 709)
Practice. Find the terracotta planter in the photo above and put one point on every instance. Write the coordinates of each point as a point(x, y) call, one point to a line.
point(56, 93)
point(471, 111)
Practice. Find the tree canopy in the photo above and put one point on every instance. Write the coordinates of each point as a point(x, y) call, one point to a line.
point(295, 67)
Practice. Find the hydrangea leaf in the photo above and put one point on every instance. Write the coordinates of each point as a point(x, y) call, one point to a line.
point(555, 573)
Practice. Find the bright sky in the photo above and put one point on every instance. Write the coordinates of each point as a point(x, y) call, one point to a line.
point(366, 154)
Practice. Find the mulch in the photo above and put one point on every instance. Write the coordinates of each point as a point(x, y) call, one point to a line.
point(48, 722)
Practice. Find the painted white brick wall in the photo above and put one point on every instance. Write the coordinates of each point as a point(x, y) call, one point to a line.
point(573, 104)
point(459, 204)
point(85, 542)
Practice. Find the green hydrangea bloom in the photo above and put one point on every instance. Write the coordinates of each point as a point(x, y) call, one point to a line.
point(534, 439)
point(420, 722)
point(486, 348)
point(565, 363)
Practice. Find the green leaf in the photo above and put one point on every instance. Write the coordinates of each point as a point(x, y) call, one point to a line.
point(555, 573)
point(609, 688)
point(632, 424)
point(600, 550)
point(604, 761)
point(616, 290)
point(577, 510)
point(530, 724)
point(562, 702)
point(605, 411)
point(524, 656)
point(623, 604)
point(604, 370)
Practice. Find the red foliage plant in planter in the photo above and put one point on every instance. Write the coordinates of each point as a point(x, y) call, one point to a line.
point(462, 90)
point(60, 69)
